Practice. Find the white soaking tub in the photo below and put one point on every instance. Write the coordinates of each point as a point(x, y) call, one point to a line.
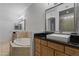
point(21, 47)
point(23, 41)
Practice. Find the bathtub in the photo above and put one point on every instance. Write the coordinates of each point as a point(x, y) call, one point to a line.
point(22, 46)
point(23, 41)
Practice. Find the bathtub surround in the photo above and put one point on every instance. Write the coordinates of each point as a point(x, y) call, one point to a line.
point(22, 45)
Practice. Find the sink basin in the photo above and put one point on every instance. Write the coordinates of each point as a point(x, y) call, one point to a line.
point(59, 37)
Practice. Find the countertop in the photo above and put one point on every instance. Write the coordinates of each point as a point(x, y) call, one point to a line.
point(43, 37)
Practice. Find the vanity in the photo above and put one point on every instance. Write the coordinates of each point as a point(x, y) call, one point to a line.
point(62, 18)
point(48, 47)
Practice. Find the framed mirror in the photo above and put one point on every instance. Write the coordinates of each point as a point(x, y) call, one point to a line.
point(61, 18)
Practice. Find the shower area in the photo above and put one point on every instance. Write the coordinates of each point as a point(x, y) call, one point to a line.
point(67, 22)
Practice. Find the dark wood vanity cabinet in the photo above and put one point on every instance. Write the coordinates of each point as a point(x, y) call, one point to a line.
point(50, 52)
point(37, 54)
point(40, 47)
point(57, 49)
point(50, 48)
point(56, 46)
point(37, 47)
point(44, 50)
point(58, 53)
point(72, 51)
point(47, 48)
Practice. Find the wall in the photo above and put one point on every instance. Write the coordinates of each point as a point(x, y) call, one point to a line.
point(35, 17)
point(9, 12)
point(5, 30)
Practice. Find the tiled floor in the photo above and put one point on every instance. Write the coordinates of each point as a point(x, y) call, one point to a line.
point(4, 49)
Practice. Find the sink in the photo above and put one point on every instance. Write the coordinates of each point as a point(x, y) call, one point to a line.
point(59, 37)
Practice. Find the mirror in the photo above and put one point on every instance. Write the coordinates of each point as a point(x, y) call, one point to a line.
point(61, 18)
point(20, 25)
point(50, 20)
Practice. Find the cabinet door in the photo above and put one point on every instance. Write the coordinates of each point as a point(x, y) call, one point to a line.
point(71, 51)
point(58, 53)
point(56, 46)
point(43, 50)
point(37, 45)
point(50, 52)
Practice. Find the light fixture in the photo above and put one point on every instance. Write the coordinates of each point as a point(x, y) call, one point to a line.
point(67, 12)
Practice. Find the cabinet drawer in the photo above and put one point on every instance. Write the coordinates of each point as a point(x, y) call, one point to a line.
point(58, 53)
point(71, 51)
point(44, 42)
point(50, 52)
point(56, 46)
